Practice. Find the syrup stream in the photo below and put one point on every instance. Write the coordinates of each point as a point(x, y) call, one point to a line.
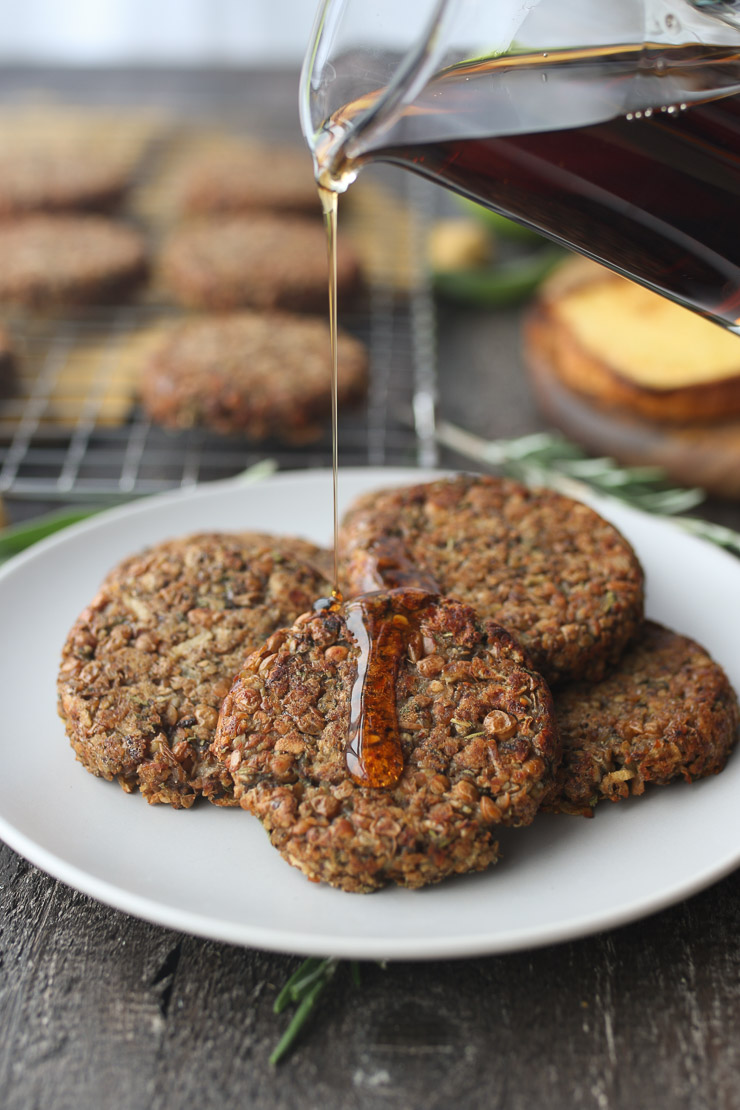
point(373, 752)
point(382, 624)
point(329, 204)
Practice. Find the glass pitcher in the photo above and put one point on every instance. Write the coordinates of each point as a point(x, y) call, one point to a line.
point(611, 127)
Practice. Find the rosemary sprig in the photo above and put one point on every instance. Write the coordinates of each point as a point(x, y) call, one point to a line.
point(302, 990)
point(17, 537)
point(549, 459)
point(301, 981)
point(714, 533)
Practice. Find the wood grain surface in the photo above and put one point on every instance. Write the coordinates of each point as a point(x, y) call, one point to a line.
point(100, 1011)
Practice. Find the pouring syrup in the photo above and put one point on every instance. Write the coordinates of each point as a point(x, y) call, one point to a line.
point(384, 624)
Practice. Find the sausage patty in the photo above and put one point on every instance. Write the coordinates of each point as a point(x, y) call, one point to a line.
point(53, 261)
point(147, 663)
point(259, 261)
point(550, 569)
point(667, 711)
point(475, 742)
point(253, 374)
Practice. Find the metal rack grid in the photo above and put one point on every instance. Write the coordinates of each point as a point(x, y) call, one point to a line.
point(58, 442)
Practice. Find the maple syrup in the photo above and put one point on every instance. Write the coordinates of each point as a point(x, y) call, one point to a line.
point(569, 144)
point(384, 625)
point(389, 567)
point(330, 203)
point(630, 156)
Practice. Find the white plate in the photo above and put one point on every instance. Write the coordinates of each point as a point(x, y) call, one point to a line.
point(212, 872)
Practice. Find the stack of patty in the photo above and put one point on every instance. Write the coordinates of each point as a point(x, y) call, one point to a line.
point(528, 680)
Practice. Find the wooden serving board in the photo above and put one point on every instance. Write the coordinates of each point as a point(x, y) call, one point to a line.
point(699, 455)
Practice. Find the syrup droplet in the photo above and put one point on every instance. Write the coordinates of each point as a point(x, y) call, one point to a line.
point(390, 567)
point(331, 604)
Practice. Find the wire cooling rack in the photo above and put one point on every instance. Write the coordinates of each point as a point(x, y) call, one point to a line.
point(62, 435)
point(71, 428)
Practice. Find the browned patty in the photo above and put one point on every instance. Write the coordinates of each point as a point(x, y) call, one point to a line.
point(475, 727)
point(261, 261)
point(550, 569)
point(52, 261)
point(247, 178)
point(44, 180)
point(667, 711)
point(255, 374)
point(147, 663)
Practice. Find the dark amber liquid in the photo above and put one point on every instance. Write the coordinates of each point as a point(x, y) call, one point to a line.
point(657, 199)
point(384, 626)
point(389, 567)
point(593, 149)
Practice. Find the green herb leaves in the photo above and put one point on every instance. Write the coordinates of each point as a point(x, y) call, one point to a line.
point(302, 990)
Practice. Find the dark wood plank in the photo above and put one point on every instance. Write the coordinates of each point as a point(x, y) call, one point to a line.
point(100, 1010)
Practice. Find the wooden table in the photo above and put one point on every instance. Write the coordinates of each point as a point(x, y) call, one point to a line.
point(99, 1010)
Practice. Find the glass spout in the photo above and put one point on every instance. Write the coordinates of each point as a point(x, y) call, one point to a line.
point(612, 128)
